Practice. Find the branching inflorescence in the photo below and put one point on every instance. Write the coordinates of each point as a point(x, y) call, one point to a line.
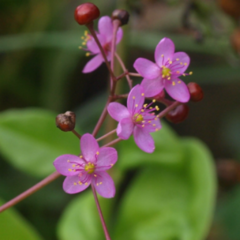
point(138, 118)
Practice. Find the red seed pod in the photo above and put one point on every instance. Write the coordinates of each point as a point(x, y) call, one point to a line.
point(196, 92)
point(121, 15)
point(231, 7)
point(179, 114)
point(160, 95)
point(66, 121)
point(86, 13)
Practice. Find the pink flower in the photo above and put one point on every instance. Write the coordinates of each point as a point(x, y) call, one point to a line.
point(105, 28)
point(136, 118)
point(165, 72)
point(89, 168)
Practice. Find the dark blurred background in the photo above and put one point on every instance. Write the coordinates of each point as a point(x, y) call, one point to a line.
point(40, 66)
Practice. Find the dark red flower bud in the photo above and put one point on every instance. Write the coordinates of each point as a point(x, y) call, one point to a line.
point(66, 121)
point(196, 92)
point(86, 13)
point(179, 114)
point(121, 15)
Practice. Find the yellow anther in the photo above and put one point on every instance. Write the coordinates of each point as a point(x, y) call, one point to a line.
point(190, 73)
point(69, 169)
point(179, 81)
point(170, 62)
point(185, 64)
point(133, 97)
point(156, 118)
point(166, 72)
point(68, 160)
point(154, 100)
point(81, 156)
point(86, 183)
point(79, 47)
point(74, 170)
point(184, 74)
point(74, 165)
point(95, 175)
point(143, 121)
point(157, 108)
point(82, 37)
point(111, 164)
point(177, 72)
point(142, 94)
point(87, 54)
point(177, 59)
point(136, 105)
point(100, 183)
point(154, 125)
point(168, 78)
point(162, 55)
point(143, 125)
point(75, 183)
point(97, 152)
point(173, 83)
point(79, 182)
point(142, 110)
point(89, 167)
point(84, 43)
point(181, 63)
point(149, 121)
point(150, 108)
point(145, 105)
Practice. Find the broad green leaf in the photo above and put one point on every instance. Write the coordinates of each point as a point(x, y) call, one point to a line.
point(15, 227)
point(168, 150)
point(165, 203)
point(30, 141)
point(80, 220)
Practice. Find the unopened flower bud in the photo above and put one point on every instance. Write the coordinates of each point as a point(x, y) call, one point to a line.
point(196, 92)
point(121, 15)
point(86, 13)
point(66, 121)
point(179, 114)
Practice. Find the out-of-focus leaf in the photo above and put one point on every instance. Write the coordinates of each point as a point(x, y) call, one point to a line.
point(15, 227)
point(30, 141)
point(168, 151)
point(80, 219)
point(165, 203)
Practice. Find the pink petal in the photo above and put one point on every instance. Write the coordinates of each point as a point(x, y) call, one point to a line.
point(152, 87)
point(135, 99)
point(106, 159)
point(180, 63)
point(104, 184)
point(105, 27)
point(119, 35)
point(75, 184)
point(125, 128)
point(117, 111)
point(178, 90)
point(67, 164)
point(89, 147)
point(147, 68)
point(154, 126)
point(143, 139)
point(92, 45)
point(164, 51)
point(93, 64)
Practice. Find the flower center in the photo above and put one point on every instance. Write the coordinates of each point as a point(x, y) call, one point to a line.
point(89, 167)
point(166, 72)
point(138, 118)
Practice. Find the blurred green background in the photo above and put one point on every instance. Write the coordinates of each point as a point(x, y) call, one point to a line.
point(172, 194)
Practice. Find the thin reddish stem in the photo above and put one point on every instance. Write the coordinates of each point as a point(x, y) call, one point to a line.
point(100, 214)
point(125, 70)
point(76, 134)
point(168, 109)
point(134, 74)
point(106, 135)
point(30, 191)
point(90, 27)
point(112, 142)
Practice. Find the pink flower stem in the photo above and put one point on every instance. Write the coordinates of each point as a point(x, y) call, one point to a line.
point(134, 74)
point(90, 27)
point(116, 23)
point(106, 135)
point(122, 75)
point(30, 191)
point(124, 69)
point(120, 96)
point(112, 142)
point(100, 214)
point(76, 133)
point(102, 118)
point(168, 109)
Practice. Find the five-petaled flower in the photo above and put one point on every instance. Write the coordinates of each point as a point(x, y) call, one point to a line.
point(105, 36)
point(136, 118)
point(88, 168)
point(165, 72)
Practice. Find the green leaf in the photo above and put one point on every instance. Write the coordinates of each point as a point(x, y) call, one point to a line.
point(80, 219)
point(165, 203)
point(30, 141)
point(15, 227)
point(168, 150)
